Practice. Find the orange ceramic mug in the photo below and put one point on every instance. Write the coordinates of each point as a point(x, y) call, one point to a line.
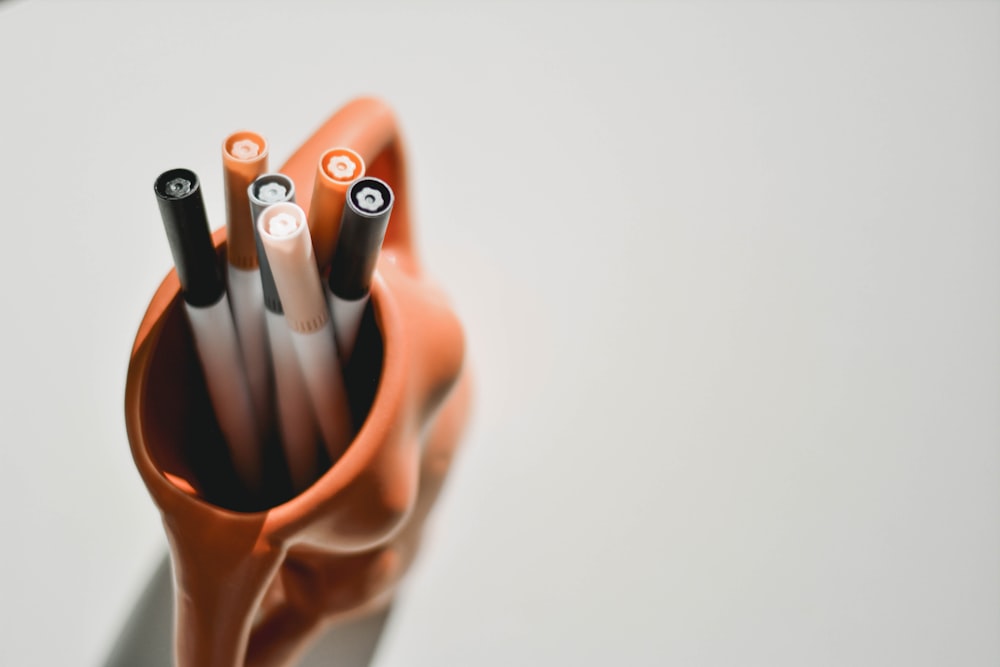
point(253, 587)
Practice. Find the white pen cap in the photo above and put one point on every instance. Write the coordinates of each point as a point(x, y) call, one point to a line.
point(284, 234)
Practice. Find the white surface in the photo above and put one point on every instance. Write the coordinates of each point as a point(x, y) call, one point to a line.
point(731, 283)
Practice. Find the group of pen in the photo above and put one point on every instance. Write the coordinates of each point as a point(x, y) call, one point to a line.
point(272, 335)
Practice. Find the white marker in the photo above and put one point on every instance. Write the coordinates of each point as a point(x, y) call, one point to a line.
point(179, 197)
point(284, 234)
point(296, 423)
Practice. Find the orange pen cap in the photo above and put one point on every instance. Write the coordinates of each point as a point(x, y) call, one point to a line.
point(336, 170)
point(244, 158)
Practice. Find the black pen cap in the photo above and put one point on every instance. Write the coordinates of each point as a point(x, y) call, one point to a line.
point(362, 228)
point(178, 194)
point(268, 189)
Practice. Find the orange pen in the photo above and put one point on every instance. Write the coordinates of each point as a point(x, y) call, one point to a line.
point(337, 169)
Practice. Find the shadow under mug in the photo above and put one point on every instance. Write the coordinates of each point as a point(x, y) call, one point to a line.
point(254, 587)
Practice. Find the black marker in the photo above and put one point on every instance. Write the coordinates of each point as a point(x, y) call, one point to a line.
point(203, 289)
point(362, 229)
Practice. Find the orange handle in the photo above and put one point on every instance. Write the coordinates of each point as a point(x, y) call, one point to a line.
point(368, 126)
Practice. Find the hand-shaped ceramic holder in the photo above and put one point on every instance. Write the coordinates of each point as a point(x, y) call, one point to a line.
point(253, 587)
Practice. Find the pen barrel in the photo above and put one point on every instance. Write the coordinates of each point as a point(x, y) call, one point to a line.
point(246, 298)
point(178, 196)
point(297, 425)
point(218, 352)
point(321, 371)
point(346, 315)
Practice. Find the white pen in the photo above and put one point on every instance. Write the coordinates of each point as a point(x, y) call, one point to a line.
point(178, 194)
point(296, 423)
point(362, 229)
point(284, 234)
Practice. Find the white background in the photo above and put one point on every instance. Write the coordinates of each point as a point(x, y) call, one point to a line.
point(730, 278)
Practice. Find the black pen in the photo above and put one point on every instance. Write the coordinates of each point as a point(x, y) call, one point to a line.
point(362, 229)
point(203, 290)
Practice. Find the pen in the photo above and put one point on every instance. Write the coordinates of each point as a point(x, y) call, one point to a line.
point(178, 195)
point(362, 229)
point(336, 170)
point(284, 233)
point(296, 423)
point(244, 157)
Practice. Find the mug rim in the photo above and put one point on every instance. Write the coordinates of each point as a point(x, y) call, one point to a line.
point(356, 458)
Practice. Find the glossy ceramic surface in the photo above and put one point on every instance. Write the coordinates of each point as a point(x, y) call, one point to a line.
point(255, 579)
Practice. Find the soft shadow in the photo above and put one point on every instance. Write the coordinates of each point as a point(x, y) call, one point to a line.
point(350, 644)
point(146, 640)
